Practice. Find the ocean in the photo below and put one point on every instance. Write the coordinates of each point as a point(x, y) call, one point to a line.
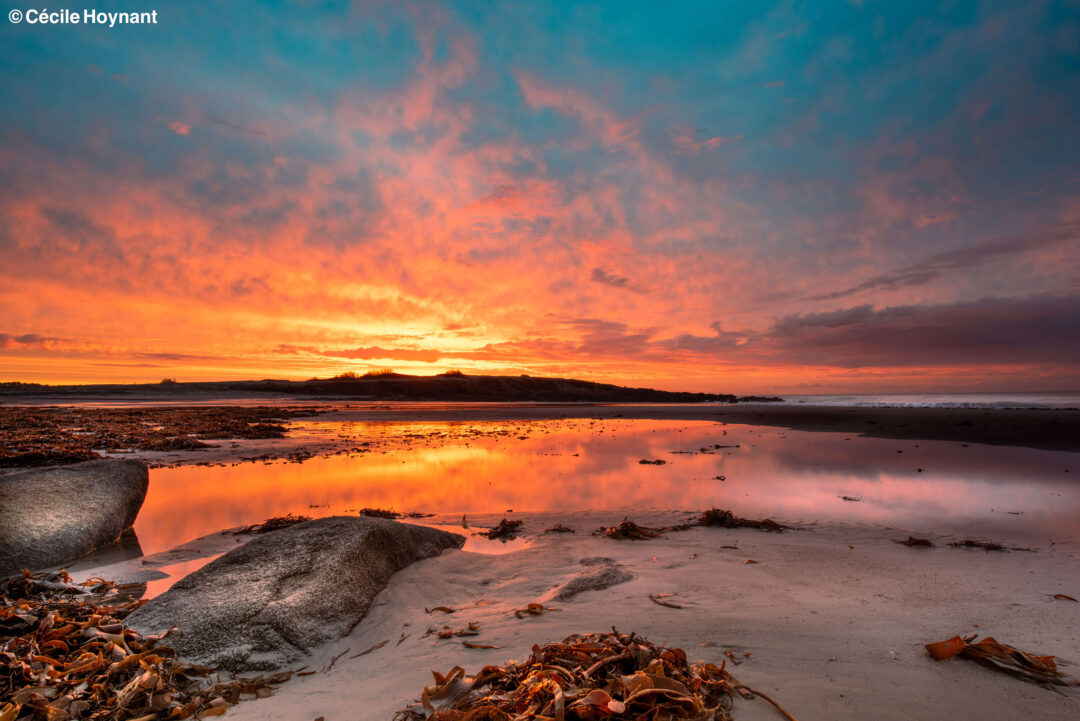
point(1060, 399)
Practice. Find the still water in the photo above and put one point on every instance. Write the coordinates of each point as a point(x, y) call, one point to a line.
point(1011, 494)
point(1058, 399)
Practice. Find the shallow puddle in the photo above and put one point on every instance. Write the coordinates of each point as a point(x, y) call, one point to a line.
point(1015, 494)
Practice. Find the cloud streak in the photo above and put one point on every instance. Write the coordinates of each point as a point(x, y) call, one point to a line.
point(939, 265)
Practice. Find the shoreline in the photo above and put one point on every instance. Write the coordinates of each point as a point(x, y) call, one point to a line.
point(1043, 429)
point(833, 618)
point(833, 615)
point(832, 631)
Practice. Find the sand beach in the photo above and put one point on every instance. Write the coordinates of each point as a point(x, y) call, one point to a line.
point(829, 617)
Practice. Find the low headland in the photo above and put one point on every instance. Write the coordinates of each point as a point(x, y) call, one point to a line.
point(379, 386)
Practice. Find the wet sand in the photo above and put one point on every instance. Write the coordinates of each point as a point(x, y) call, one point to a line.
point(834, 619)
point(1047, 429)
point(834, 615)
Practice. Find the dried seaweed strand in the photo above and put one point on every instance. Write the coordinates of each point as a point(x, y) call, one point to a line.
point(66, 653)
point(590, 676)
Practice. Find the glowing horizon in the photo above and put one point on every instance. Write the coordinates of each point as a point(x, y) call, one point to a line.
point(727, 198)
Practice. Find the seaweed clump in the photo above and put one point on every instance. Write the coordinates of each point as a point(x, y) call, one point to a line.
point(379, 513)
point(391, 513)
point(65, 653)
point(35, 436)
point(273, 524)
point(991, 653)
point(727, 519)
point(503, 531)
point(591, 676)
point(985, 545)
point(627, 530)
point(913, 542)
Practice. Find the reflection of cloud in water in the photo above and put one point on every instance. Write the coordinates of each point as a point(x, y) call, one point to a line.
point(485, 468)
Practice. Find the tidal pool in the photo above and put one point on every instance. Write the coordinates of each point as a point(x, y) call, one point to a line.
point(1011, 494)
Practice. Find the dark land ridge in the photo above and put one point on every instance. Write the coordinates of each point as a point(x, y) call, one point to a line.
point(448, 387)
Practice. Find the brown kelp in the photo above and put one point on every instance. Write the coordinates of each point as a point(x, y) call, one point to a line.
point(628, 530)
point(37, 436)
point(727, 519)
point(990, 652)
point(503, 531)
point(273, 524)
point(586, 677)
point(66, 654)
point(913, 542)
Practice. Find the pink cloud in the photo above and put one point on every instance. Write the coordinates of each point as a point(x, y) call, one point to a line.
point(686, 142)
point(924, 220)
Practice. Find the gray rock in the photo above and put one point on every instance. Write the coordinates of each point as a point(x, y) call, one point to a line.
point(52, 516)
point(596, 578)
point(269, 602)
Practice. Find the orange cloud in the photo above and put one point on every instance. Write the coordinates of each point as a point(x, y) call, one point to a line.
point(395, 226)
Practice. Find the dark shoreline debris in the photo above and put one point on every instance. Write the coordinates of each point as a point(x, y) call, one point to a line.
point(68, 654)
point(913, 542)
point(559, 528)
point(472, 629)
point(59, 436)
point(727, 519)
point(993, 654)
point(535, 609)
point(591, 676)
point(656, 462)
point(273, 524)
point(392, 514)
point(504, 531)
point(658, 599)
point(985, 545)
point(378, 513)
point(627, 530)
point(989, 546)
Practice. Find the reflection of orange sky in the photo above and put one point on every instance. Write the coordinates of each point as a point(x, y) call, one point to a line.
point(789, 475)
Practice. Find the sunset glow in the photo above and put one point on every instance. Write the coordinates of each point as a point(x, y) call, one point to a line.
point(744, 199)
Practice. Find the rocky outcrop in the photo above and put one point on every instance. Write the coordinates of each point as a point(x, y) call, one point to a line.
point(51, 516)
point(269, 602)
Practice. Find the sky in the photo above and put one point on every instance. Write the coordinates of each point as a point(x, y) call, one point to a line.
point(743, 197)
